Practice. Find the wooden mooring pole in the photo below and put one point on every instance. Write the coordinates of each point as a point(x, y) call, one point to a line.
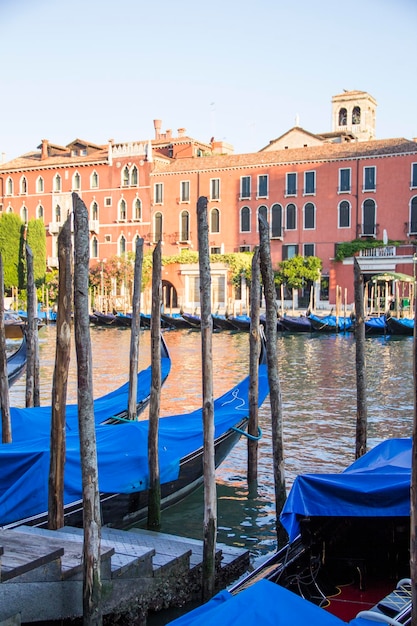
point(273, 377)
point(135, 331)
point(4, 384)
point(210, 495)
point(60, 378)
point(92, 614)
point(254, 370)
point(413, 489)
point(361, 403)
point(154, 497)
point(32, 367)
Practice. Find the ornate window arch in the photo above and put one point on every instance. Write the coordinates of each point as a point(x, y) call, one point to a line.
point(245, 219)
point(215, 220)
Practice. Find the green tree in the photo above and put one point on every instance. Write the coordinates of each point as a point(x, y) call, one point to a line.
point(299, 270)
point(36, 239)
point(11, 248)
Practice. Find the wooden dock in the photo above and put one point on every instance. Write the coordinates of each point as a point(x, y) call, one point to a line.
point(41, 573)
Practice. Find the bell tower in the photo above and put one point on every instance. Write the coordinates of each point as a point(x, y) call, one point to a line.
point(354, 112)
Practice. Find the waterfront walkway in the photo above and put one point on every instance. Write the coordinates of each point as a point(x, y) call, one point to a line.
point(41, 573)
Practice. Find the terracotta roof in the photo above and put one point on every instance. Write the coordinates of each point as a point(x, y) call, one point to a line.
point(33, 160)
point(324, 152)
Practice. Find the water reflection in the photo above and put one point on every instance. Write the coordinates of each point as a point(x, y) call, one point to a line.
point(318, 384)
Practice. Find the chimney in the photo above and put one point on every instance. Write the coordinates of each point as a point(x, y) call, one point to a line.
point(157, 125)
point(44, 153)
point(181, 132)
point(168, 134)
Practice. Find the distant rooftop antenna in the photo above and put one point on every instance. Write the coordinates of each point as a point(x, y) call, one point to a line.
point(297, 120)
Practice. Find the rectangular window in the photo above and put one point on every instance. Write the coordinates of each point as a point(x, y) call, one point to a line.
point(291, 185)
point(290, 217)
point(308, 249)
point(107, 201)
point(245, 184)
point(215, 250)
point(414, 175)
point(159, 193)
point(289, 252)
point(215, 189)
point(369, 178)
point(344, 180)
point(244, 248)
point(263, 186)
point(185, 191)
point(309, 182)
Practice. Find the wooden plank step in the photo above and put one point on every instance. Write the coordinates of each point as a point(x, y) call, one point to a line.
point(126, 555)
point(166, 555)
point(22, 556)
point(72, 552)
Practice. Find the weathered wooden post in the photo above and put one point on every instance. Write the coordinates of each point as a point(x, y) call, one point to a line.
point(32, 366)
point(135, 331)
point(361, 410)
point(254, 370)
point(154, 499)
point(92, 614)
point(413, 489)
point(273, 377)
point(60, 378)
point(4, 385)
point(210, 495)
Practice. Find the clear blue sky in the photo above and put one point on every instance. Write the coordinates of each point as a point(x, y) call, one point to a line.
point(241, 71)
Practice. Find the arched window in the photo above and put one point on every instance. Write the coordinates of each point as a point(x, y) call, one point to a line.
point(57, 182)
point(309, 216)
point(344, 214)
point(9, 209)
point(94, 180)
point(157, 227)
point(276, 220)
point(263, 210)
point(40, 212)
point(122, 245)
point(342, 117)
point(369, 215)
point(134, 242)
point(214, 221)
point(39, 185)
point(58, 214)
point(9, 187)
point(134, 176)
point(24, 214)
point(185, 226)
point(122, 210)
point(94, 211)
point(125, 176)
point(23, 185)
point(413, 216)
point(291, 217)
point(245, 220)
point(94, 248)
point(137, 210)
point(76, 182)
point(356, 115)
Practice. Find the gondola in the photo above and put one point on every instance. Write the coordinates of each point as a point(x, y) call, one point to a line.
point(241, 322)
point(110, 409)
point(347, 560)
point(124, 320)
point(193, 321)
point(293, 324)
point(16, 362)
point(376, 325)
point(14, 325)
point(122, 454)
point(222, 322)
point(400, 325)
point(103, 319)
point(174, 320)
point(330, 323)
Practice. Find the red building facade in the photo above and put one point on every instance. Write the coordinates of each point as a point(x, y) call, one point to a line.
point(315, 191)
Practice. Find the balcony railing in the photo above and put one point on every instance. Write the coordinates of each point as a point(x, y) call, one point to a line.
point(384, 251)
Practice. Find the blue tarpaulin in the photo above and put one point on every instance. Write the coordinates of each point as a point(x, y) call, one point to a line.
point(122, 452)
point(262, 604)
point(377, 484)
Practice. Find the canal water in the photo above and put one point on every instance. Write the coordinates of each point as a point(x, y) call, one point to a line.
point(317, 375)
